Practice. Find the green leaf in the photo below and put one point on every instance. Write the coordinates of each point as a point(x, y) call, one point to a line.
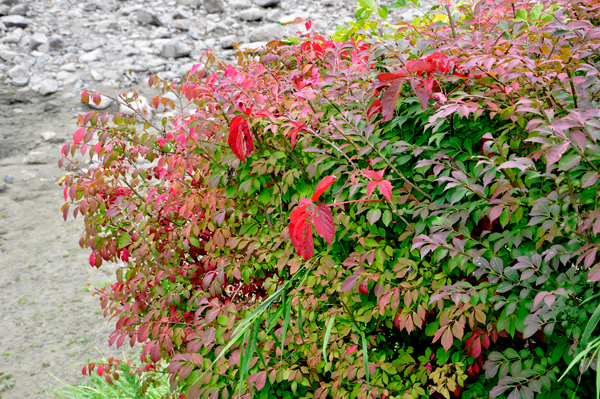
point(590, 326)
point(365, 352)
point(368, 4)
point(383, 12)
point(373, 215)
point(386, 217)
point(326, 340)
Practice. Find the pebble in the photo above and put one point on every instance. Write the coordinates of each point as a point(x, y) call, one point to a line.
point(265, 33)
point(37, 40)
point(226, 42)
point(145, 17)
point(213, 6)
point(14, 21)
point(19, 75)
point(10, 179)
point(48, 86)
point(175, 49)
point(92, 56)
point(252, 14)
point(48, 135)
point(239, 4)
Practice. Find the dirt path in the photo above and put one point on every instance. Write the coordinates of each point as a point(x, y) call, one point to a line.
point(49, 321)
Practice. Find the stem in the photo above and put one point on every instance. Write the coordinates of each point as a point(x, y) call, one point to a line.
point(451, 20)
point(349, 202)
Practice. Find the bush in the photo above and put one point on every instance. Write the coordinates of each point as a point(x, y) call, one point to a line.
point(407, 215)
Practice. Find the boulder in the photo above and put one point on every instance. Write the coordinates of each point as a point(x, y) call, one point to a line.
point(149, 18)
point(19, 9)
point(265, 33)
point(56, 43)
point(14, 21)
point(239, 4)
point(37, 40)
point(48, 86)
point(92, 56)
point(105, 102)
point(226, 42)
point(19, 75)
point(252, 14)
point(213, 6)
point(175, 49)
point(140, 104)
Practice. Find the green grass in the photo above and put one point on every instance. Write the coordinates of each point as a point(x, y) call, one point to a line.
point(127, 387)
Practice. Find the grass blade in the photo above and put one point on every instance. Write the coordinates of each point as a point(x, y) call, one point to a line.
point(243, 360)
point(326, 340)
point(365, 352)
point(592, 345)
point(590, 326)
point(286, 322)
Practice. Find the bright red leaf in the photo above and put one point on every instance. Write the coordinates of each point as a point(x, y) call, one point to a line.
point(240, 138)
point(323, 185)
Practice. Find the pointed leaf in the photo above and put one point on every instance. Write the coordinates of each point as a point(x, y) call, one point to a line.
point(388, 102)
point(240, 139)
point(323, 220)
point(557, 152)
point(323, 185)
point(385, 187)
point(350, 282)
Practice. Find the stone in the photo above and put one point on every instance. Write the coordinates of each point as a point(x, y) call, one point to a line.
point(35, 158)
point(9, 2)
point(104, 103)
point(226, 42)
point(89, 7)
point(18, 72)
point(267, 3)
point(160, 33)
point(7, 55)
point(180, 13)
point(69, 67)
point(274, 15)
point(149, 18)
point(10, 179)
point(213, 6)
point(328, 3)
point(48, 135)
point(2, 27)
point(239, 4)
point(182, 24)
point(56, 43)
point(4, 10)
point(37, 40)
point(48, 86)
point(20, 81)
point(140, 104)
point(92, 56)
point(93, 44)
point(265, 33)
point(19, 9)
point(96, 75)
point(191, 3)
point(252, 14)
point(175, 49)
point(14, 21)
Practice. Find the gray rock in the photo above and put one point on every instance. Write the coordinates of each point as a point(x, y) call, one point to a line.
point(19, 9)
point(7, 55)
point(37, 40)
point(182, 24)
point(9, 2)
point(93, 44)
point(213, 6)
point(10, 179)
point(48, 135)
point(48, 86)
point(265, 33)
point(160, 32)
point(17, 72)
point(14, 21)
point(92, 56)
point(20, 81)
point(180, 13)
point(90, 7)
point(56, 43)
point(69, 67)
point(191, 3)
point(274, 15)
point(328, 3)
point(267, 3)
point(252, 14)
point(97, 75)
point(149, 18)
point(239, 4)
point(4, 10)
point(226, 42)
point(175, 49)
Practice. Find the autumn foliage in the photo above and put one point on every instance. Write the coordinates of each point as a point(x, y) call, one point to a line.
point(402, 215)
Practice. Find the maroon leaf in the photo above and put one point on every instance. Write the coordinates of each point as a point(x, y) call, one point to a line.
point(557, 152)
point(240, 140)
point(323, 185)
point(350, 282)
point(300, 228)
point(423, 93)
point(323, 220)
point(388, 102)
point(155, 352)
point(385, 187)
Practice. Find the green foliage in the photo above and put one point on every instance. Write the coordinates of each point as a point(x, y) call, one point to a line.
point(413, 215)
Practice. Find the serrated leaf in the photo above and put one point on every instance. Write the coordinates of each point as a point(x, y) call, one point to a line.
point(323, 221)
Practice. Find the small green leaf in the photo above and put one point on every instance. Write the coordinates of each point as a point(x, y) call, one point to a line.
point(326, 340)
point(386, 217)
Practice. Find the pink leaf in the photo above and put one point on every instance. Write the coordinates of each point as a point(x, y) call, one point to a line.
point(300, 229)
point(323, 220)
point(385, 187)
point(556, 153)
point(261, 380)
point(78, 135)
point(589, 179)
point(388, 102)
point(495, 212)
point(594, 274)
point(371, 186)
point(349, 282)
point(351, 349)
point(323, 185)
point(447, 339)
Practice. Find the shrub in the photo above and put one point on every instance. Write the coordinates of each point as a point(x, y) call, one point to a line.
point(407, 215)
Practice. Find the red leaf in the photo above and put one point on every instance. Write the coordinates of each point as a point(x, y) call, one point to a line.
point(96, 98)
point(78, 135)
point(323, 220)
point(421, 66)
point(100, 370)
point(388, 102)
point(142, 334)
point(85, 97)
point(556, 153)
point(385, 187)
point(261, 378)
point(301, 236)
point(350, 282)
point(475, 349)
point(388, 77)
point(351, 349)
point(323, 185)
point(308, 24)
point(240, 140)
point(447, 339)
point(371, 186)
point(373, 175)
point(155, 352)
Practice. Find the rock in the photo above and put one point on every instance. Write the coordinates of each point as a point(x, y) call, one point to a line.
point(159, 33)
point(140, 104)
point(14, 21)
point(175, 49)
point(182, 24)
point(4, 10)
point(35, 158)
point(2, 26)
point(253, 45)
point(20, 81)
point(37, 40)
point(8, 55)
point(56, 43)
point(9, 2)
point(105, 102)
point(48, 135)
point(93, 44)
point(90, 7)
point(239, 4)
point(149, 18)
point(265, 33)
point(252, 14)
point(180, 13)
point(10, 179)
point(192, 3)
point(69, 67)
point(19, 75)
point(48, 86)
point(96, 75)
point(328, 3)
point(92, 56)
point(213, 6)
point(274, 15)
point(19, 9)
point(226, 42)
point(267, 3)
